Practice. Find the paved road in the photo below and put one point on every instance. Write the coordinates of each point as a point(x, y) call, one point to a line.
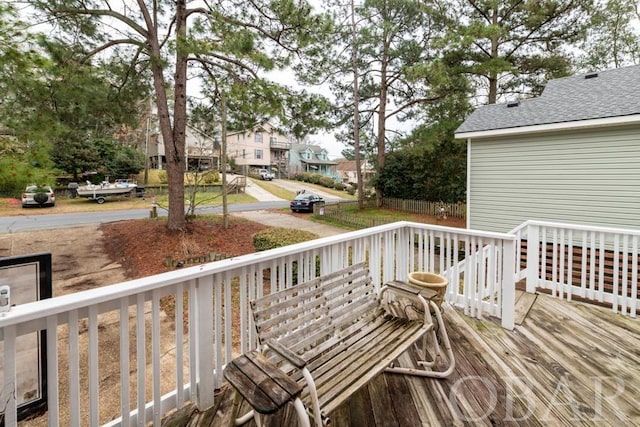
point(14, 224)
point(266, 200)
point(277, 219)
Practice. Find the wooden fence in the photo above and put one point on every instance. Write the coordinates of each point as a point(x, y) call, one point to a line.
point(345, 212)
point(454, 210)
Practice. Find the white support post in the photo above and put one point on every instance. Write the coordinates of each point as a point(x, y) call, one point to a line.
point(533, 257)
point(508, 284)
point(205, 364)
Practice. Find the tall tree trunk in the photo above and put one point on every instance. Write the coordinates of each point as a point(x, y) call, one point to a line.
point(493, 75)
point(382, 118)
point(356, 106)
point(176, 180)
point(176, 163)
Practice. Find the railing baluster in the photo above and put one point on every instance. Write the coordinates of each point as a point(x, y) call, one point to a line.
point(584, 263)
point(141, 359)
point(616, 273)
point(228, 319)
point(124, 361)
point(570, 253)
point(554, 262)
point(601, 268)
point(193, 337)
point(53, 398)
point(10, 381)
point(592, 265)
point(625, 274)
point(94, 369)
point(155, 354)
point(179, 343)
point(74, 369)
point(245, 322)
point(634, 277)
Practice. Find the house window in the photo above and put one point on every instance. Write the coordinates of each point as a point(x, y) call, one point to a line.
point(258, 138)
point(244, 154)
point(258, 154)
point(273, 139)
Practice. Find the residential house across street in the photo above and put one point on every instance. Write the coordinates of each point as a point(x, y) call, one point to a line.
point(261, 148)
point(311, 159)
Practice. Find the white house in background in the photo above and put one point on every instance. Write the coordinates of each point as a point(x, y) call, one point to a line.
point(311, 159)
point(202, 151)
point(570, 155)
point(261, 148)
point(347, 171)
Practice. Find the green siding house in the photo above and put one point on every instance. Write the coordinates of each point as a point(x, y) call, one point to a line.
point(570, 155)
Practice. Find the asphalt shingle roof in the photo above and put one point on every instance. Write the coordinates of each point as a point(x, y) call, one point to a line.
point(613, 93)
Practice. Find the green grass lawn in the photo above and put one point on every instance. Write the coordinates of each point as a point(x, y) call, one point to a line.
point(274, 189)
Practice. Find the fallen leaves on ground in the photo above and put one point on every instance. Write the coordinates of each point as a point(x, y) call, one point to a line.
point(143, 246)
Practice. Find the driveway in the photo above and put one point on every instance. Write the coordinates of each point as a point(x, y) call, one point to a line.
point(277, 219)
point(296, 186)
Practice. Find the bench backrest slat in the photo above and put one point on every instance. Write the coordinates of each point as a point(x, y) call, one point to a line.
point(308, 312)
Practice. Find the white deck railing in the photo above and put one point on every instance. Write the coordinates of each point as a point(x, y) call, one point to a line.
point(569, 260)
point(154, 343)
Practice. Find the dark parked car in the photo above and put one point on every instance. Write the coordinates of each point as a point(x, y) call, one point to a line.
point(304, 202)
point(38, 196)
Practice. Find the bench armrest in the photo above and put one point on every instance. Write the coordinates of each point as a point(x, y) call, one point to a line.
point(403, 287)
point(422, 294)
point(286, 354)
point(408, 288)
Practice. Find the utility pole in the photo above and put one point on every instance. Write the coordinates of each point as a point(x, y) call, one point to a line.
point(146, 152)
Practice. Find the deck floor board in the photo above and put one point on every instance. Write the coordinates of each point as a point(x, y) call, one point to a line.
point(565, 364)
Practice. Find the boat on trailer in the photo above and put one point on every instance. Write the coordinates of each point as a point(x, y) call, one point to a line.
point(100, 192)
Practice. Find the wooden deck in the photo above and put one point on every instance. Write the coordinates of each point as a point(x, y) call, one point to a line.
point(565, 364)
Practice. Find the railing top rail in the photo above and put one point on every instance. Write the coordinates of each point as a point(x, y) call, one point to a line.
point(44, 308)
point(462, 231)
point(581, 227)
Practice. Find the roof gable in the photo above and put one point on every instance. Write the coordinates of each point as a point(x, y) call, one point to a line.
point(607, 94)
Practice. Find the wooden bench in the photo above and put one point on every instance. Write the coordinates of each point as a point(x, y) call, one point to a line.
point(333, 334)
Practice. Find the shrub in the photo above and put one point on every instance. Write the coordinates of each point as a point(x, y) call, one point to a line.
point(326, 181)
point(279, 237)
point(312, 178)
point(162, 177)
point(211, 177)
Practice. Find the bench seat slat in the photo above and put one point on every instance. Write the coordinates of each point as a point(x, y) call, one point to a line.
point(364, 373)
point(356, 341)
